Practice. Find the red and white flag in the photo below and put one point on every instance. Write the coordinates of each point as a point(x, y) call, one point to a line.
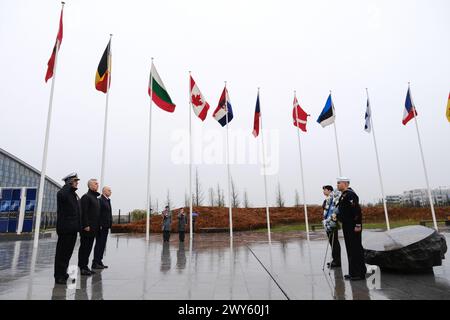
point(299, 115)
point(199, 103)
point(51, 61)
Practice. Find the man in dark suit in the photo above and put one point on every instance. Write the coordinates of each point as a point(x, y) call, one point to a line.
point(68, 224)
point(105, 224)
point(90, 216)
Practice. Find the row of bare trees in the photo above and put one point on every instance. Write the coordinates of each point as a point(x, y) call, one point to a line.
point(216, 196)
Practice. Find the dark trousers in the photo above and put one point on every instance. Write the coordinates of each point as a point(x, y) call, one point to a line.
point(100, 245)
point(86, 243)
point(166, 235)
point(334, 243)
point(355, 251)
point(64, 250)
point(181, 235)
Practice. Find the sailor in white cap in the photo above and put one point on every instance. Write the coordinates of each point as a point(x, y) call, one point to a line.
point(350, 215)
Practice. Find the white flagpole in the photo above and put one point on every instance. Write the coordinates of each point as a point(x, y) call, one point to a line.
point(44, 157)
point(336, 138)
point(301, 173)
point(105, 128)
point(230, 210)
point(190, 161)
point(265, 177)
point(149, 199)
point(423, 163)
point(378, 165)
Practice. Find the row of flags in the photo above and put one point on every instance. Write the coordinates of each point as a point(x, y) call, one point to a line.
point(223, 113)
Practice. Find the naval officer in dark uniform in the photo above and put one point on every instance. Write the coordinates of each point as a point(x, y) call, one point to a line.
point(349, 214)
point(68, 224)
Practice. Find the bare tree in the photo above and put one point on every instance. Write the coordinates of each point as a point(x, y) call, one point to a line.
point(198, 193)
point(220, 197)
point(246, 202)
point(297, 198)
point(211, 197)
point(235, 202)
point(168, 200)
point(280, 200)
point(186, 199)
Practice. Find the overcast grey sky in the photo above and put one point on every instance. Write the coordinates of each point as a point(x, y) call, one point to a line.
point(281, 46)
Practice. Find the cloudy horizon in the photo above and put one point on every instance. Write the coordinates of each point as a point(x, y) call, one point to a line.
point(280, 46)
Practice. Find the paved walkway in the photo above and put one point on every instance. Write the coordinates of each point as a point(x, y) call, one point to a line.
point(289, 268)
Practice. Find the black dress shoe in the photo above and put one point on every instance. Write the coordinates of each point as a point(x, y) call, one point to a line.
point(334, 264)
point(104, 267)
point(60, 280)
point(86, 272)
point(347, 277)
point(97, 266)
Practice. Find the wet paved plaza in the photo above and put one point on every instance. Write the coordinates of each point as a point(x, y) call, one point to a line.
point(288, 268)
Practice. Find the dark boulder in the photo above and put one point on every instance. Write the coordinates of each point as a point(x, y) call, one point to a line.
point(405, 249)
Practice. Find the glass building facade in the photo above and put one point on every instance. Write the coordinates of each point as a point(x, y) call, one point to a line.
point(16, 173)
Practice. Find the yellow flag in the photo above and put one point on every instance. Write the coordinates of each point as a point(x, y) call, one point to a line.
point(448, 108)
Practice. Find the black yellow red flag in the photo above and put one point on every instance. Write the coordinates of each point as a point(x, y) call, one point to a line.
point(103, 74)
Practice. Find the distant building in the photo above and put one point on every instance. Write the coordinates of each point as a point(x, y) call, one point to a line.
point(16, 173)
point(419, 197)
point(394, 200)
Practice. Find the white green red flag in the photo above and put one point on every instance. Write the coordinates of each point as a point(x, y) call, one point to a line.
point(158, 93)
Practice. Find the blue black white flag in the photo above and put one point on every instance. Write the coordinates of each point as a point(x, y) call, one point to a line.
point(328, 115)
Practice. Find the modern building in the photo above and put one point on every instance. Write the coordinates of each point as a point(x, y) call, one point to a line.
point(16, 173)
point(419, 197)
point(394, 200)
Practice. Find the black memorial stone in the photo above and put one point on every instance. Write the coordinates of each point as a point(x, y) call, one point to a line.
point(405, 249)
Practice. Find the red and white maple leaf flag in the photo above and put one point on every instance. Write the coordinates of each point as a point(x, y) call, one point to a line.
point(199, 104)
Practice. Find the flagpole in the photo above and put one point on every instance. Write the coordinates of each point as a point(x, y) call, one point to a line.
point(190, 160)
point(230, 210)
point(378, 165)
point(44, 157)
point(149, 199)
point(265, 177)
point(105, 128)
point(423, 163)
point(301, 173)
point(336, 138)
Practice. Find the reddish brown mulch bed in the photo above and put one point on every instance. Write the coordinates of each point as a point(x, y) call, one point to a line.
point(255, 218)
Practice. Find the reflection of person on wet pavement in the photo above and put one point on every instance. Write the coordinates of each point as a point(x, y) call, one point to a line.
point(339, 285)
point(331, 225)
point(166, 224)
point(349, 213)
point(81, 291)
point(97, 286)
point(181, 257)
point(182, 221)
point(68, 225)
point(165, 257)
